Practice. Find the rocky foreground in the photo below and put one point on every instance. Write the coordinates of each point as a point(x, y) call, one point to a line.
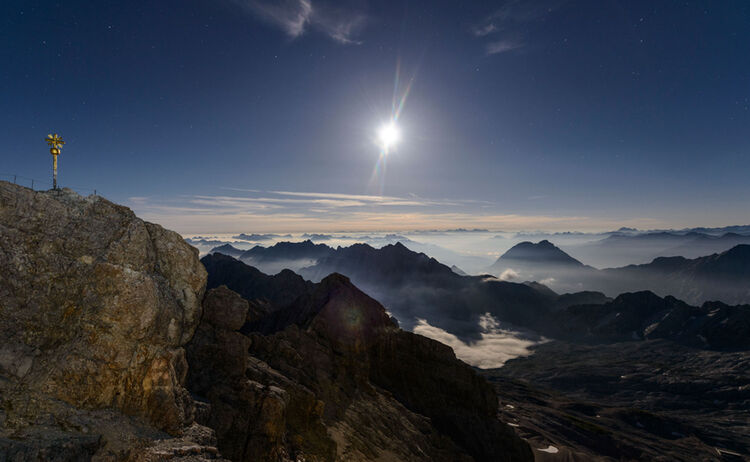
point(112, 350)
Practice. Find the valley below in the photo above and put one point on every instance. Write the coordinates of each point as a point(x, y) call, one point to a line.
point(650, 400)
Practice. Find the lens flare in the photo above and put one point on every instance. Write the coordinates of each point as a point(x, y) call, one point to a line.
point(389, 134)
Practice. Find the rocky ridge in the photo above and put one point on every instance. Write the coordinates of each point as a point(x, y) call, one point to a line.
point(336, 379)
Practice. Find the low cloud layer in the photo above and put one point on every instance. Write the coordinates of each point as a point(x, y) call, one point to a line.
point(508, 275)
point(495, 347)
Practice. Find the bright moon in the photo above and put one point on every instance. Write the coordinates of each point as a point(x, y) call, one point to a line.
point(389, 135)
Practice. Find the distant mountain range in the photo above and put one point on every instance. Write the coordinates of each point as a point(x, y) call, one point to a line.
point(644, 247)
point(414, 286)
point(280, 256)
point(724, 276)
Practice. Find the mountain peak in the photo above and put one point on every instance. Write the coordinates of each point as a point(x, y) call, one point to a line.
point(336, 279)
point(337, 310)
point(543, 252)
point(227, 249)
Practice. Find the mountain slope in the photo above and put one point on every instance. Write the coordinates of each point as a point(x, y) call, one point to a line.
point(724, 276)
point(330, 372)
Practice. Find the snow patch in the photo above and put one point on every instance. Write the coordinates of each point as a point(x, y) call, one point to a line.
point(549, 449)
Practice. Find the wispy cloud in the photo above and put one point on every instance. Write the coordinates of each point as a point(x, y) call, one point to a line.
point(502, 46)
point(289, 211)
point(484, 29)
point(507, 26)
point(295, 17)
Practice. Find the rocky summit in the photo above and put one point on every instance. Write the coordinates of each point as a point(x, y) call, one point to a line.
point(95, 308)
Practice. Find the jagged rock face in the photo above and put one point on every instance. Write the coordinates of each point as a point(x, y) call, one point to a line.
point(331, 378)
point(252, 408)
point(337, 311)
point(280, 289)
point(426, 377)
point(95, 305)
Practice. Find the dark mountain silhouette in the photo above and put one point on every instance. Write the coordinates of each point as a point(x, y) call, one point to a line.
point(280, 289)
point(287, 251)
point(393, 264)
point(654, 350)
point(228, 249)
point(331, 373)
point(284, 255)
point(542, 253)
point(544, 262)
point(724, 276)
point(458, 271)
point(414, 286)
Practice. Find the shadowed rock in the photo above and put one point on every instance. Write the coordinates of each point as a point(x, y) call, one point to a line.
point(331, 377)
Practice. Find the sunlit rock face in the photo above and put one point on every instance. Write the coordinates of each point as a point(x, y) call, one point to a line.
point(95, 305)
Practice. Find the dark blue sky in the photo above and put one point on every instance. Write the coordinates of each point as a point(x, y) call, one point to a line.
point(204, 115)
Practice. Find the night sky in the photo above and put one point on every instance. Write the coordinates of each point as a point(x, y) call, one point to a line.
point(243, 115)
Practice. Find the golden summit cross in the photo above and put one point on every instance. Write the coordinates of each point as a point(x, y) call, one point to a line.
point(55, 143)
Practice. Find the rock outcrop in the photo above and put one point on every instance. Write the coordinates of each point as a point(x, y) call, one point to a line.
point(95, 307)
